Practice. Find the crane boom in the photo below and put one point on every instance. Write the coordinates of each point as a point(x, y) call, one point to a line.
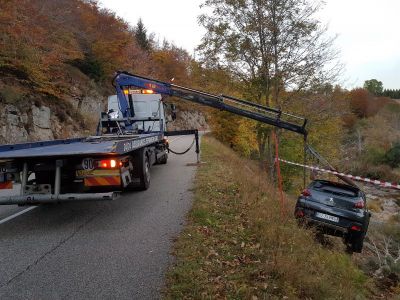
point(263, 114)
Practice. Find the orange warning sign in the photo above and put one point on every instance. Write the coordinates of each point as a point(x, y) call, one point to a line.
point(103, 181)
point(8, 185)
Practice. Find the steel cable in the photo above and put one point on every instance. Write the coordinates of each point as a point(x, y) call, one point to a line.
point(184, 152)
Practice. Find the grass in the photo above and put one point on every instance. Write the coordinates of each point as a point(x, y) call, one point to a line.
point(238, 245)
point(375, 206)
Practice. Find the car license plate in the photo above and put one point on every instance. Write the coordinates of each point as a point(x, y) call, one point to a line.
point(327, 217)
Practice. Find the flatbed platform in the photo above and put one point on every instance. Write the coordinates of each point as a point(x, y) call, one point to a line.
point(93, 146)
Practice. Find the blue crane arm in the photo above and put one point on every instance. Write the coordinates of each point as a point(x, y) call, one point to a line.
point(236, 106)
point(123, 79)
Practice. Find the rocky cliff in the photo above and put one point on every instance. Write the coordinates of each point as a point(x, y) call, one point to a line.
point(37, 122)
point(189, 120)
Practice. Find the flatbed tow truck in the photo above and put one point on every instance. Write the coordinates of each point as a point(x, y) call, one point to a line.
point(131, 137)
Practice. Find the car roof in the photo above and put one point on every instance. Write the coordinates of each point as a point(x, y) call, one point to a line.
point(335, 184)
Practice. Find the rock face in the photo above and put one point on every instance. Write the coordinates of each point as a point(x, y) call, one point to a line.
point(12, 125)
point(189, 120)
point(88, 102)
point(41, 123)
point(17, 126)
point(387, 201)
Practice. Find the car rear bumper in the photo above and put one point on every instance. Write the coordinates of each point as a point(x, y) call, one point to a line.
point(319, 223)
point(341, 228)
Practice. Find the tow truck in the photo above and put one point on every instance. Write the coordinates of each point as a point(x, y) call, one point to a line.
point(130, 138)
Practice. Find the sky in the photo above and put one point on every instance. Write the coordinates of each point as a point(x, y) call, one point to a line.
point(367, 32)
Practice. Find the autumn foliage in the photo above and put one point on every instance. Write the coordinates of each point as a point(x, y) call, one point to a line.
point(69, 50)
point(364, 104)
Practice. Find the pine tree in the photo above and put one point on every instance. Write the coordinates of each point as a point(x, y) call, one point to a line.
point(141, 36)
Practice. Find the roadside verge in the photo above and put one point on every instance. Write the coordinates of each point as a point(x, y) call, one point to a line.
point(237, 245)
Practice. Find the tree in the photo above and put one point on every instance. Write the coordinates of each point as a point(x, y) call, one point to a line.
point(394, 94)
point(374, 86)
point(141, 36)
point(171, 62)
point(270, 45)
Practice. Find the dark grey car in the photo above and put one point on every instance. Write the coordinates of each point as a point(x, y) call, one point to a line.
point(336, 209)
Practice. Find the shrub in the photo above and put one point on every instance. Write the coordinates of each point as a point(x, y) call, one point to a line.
point(11, 95)
point(89, 66)
point(374, 155)
point(374, 206)
point(364, 105)
point(349, 121)
point(383, 172)
point(392, 157)
point(383, 261)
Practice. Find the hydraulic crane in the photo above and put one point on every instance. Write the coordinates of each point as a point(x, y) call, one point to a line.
point(271, 116)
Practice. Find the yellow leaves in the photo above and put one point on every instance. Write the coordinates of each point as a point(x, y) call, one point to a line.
point(245, 140)
point(237, 132)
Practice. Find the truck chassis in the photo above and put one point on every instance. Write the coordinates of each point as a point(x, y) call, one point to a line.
point(93, 168)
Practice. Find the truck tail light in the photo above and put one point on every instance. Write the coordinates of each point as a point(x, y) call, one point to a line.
point(306, 193)
point(359, 204)
point(109, 164)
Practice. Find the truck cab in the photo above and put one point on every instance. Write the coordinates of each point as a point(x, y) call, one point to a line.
point(147, 109)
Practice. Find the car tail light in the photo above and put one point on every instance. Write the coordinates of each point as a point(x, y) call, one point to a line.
point(108, 164)
point(306, 193)
point(299, 213)
point(355, 228)
point(359, 204)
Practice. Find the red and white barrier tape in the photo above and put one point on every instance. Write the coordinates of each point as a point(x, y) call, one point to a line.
point(358, 178)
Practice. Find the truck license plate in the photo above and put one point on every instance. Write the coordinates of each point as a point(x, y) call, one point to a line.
point(327, 217)
point(82, 173)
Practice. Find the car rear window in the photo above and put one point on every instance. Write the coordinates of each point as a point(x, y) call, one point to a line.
point(335, 188)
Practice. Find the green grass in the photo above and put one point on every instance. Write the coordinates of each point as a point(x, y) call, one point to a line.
point(238, 245)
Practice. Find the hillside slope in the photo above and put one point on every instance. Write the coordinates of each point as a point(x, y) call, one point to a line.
point(57, 60)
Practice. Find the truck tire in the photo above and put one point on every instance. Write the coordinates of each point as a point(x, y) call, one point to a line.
point(144, 171)
point(163, 160)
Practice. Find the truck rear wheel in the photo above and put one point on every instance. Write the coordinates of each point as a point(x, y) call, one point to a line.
point(164, 159)
point(144, 171)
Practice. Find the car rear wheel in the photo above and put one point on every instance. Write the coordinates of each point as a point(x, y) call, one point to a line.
point(355, 243)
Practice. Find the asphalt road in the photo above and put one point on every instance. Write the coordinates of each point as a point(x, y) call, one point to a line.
point(107, 250)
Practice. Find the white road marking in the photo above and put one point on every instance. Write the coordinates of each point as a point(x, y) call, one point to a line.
point(17, 214)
